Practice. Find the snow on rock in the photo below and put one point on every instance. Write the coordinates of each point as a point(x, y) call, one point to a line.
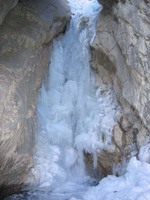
point(134, 185)
point(144, 154)
point(102, 124)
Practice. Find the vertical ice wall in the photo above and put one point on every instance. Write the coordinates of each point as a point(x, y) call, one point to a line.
point(71, 114)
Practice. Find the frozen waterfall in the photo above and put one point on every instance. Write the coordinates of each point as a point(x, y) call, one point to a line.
point(71, 113)
point(67, 107)
point(74, 116)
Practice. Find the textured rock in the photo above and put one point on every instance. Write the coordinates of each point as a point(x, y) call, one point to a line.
point(25, 37)
point(107, 5)
point(5, 7)
point(121, 56)
point(123, 37)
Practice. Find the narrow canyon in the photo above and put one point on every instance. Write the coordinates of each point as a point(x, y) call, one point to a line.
point(75, 110)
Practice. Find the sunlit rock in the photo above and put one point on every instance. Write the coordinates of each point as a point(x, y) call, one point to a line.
point(120, 56)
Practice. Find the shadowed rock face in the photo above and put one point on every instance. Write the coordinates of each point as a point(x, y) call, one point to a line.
point(25, 36)
point(107, 4)
point(5, 7)
point(121, 56)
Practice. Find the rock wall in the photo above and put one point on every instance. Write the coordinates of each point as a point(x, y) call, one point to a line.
point(121, 57)
point(5, 7)
point(25, 34)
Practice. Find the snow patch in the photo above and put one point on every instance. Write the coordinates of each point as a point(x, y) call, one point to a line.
point(134, 185)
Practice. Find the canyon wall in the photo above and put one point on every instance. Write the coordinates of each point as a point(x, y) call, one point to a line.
point(26, 30)
point(121, 57)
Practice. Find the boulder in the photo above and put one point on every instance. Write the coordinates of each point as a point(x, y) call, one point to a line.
point(25, 44)
point(120, 56)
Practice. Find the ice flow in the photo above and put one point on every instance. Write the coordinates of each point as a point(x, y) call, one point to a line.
point(70, 110)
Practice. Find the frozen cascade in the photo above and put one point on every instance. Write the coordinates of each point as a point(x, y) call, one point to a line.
point(69, 107)
point(68, 104)
point(73, 115)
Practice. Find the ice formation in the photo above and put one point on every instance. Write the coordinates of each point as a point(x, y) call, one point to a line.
point(73, 114)
point(73, 117)
point(134, 185)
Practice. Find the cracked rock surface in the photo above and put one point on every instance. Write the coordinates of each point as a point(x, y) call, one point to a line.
point(121, 57)
point(26, 30)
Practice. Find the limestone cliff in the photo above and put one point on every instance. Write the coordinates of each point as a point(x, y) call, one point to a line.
point(121, 56)
point(27, 28)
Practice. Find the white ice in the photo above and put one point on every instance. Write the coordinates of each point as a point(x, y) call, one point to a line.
point(134, 185)
point(68, 106)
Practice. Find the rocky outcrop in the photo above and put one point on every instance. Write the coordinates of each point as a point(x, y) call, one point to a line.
point(25, 36)
point(120, 56)
point(107, 5)
point(5, 7)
